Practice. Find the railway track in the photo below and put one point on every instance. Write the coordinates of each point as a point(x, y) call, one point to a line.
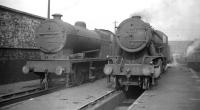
point(114, 100)
point(93, 103)
point(110, 100)
point(24, 95)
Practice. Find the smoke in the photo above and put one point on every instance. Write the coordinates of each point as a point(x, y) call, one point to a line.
point(192, 48)
point(177, 18)
point(145, 15)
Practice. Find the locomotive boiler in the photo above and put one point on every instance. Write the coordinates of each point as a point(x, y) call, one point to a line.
point(70, 50)
point(140, 55)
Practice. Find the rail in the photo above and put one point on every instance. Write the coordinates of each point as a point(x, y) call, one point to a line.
point(97, 100)
point(114, 100)
point(24, 95)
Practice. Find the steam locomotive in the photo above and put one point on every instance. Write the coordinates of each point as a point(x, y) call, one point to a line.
point(72, 51)
point(192, 55)
point(140, 55)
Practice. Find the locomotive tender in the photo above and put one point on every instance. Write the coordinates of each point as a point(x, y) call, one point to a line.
point(140, 55)
point(75, 52)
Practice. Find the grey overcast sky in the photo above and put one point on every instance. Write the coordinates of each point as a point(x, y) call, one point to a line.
point(179, 19)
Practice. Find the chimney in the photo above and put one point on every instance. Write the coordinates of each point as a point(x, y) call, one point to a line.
point(57, 16)
point(80, 24)
point(136, 17)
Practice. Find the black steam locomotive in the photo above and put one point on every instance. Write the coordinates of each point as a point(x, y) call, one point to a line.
point(139, 57)
point(193, 55)
point(75, 52)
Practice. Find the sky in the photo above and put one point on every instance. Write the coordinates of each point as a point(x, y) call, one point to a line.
point(179, 19)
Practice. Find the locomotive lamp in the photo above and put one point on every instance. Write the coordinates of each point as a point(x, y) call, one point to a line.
point(25, 69)
point(59, 70)
point(108, 69)
point(107, 56)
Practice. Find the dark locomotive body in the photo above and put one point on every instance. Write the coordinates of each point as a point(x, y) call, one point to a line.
point(193, 55)
point(74, 52)
point(140, 55)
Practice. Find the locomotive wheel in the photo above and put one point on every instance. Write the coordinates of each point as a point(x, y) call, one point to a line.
point(164, 67)
point(79, 77)
point(146, 83)
point(152, 81)
point(125, 88)
point(108, 77)
point(99, 73)
point(161, 66)
point(116, 84)
point(67, 79)
point(110, 81)
point(158, 69)
point(156, 81)
point(140, 82)
point(44, 79)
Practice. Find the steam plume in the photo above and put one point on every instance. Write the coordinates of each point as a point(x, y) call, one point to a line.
point(193, 47)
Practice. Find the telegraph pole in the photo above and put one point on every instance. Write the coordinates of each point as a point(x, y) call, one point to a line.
point(48, 11)
point(115, 24)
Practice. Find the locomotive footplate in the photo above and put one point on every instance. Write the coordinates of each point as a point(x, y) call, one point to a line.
point(132, 69)
point(47, 65)
point(130, 75)
point(73, 71)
